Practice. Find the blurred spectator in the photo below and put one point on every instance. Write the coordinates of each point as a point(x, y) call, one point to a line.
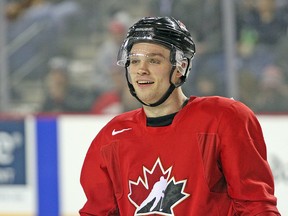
point(107, 53)
point(118, 99)
point(32, 37)
point(209, 33)
point(206, 86)
point(270, 21)
point(273, 91)
point(209, 48)
point(61, 96)
point(33, 29)
point(13, 10)
point(115, 96)
point(62, 27)
point(261, 27)
point(205, 78)
point(263, 24)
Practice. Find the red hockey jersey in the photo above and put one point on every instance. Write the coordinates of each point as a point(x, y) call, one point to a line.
point(210, 161)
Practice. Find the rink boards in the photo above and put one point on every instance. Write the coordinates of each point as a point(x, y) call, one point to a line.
point(41, 159)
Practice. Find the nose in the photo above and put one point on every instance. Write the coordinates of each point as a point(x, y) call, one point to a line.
point(143, 68)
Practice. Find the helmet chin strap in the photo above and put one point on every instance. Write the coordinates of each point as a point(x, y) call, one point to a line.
point(164, 97)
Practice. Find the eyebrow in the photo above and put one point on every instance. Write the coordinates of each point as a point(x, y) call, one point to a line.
point(150, 54)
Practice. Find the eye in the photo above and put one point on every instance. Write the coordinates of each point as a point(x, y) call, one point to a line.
point(154, 61)
point(134, 61)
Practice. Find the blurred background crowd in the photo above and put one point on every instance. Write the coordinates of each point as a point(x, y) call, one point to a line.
point(59, 56)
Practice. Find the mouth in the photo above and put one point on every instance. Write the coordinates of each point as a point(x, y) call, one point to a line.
point(144, 82)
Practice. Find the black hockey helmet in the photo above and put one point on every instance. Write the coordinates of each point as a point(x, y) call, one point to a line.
point(166, 31)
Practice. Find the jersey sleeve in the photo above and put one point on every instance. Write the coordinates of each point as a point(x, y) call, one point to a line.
point(244, 162)
point(97, 184)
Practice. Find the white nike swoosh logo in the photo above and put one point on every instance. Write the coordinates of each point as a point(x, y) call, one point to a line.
point(114, 132)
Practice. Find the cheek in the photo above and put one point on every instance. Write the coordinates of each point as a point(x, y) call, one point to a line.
point(132, 70)
point(131, 73)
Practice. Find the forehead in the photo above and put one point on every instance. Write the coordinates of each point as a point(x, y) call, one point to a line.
point(150, 48)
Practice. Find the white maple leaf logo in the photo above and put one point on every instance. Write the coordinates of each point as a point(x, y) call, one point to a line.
point(157, 192)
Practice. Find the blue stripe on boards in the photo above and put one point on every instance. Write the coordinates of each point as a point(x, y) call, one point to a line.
point(47, 162)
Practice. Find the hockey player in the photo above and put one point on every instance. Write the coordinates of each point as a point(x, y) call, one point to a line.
point(208, 152)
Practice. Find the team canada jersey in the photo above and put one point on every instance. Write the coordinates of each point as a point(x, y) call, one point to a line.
point(211, 160)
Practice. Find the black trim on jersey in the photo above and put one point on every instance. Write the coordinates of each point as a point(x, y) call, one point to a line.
point(163, 120)
point(160, 121)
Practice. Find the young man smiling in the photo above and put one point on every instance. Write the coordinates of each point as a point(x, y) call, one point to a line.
point(175, 155)
point(150, 71)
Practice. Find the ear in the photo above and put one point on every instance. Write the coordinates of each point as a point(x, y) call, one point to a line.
point(178, 72)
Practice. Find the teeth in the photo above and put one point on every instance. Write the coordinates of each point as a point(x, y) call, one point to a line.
point(144, 82)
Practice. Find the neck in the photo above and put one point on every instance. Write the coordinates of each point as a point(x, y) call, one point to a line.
point(172, 105)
